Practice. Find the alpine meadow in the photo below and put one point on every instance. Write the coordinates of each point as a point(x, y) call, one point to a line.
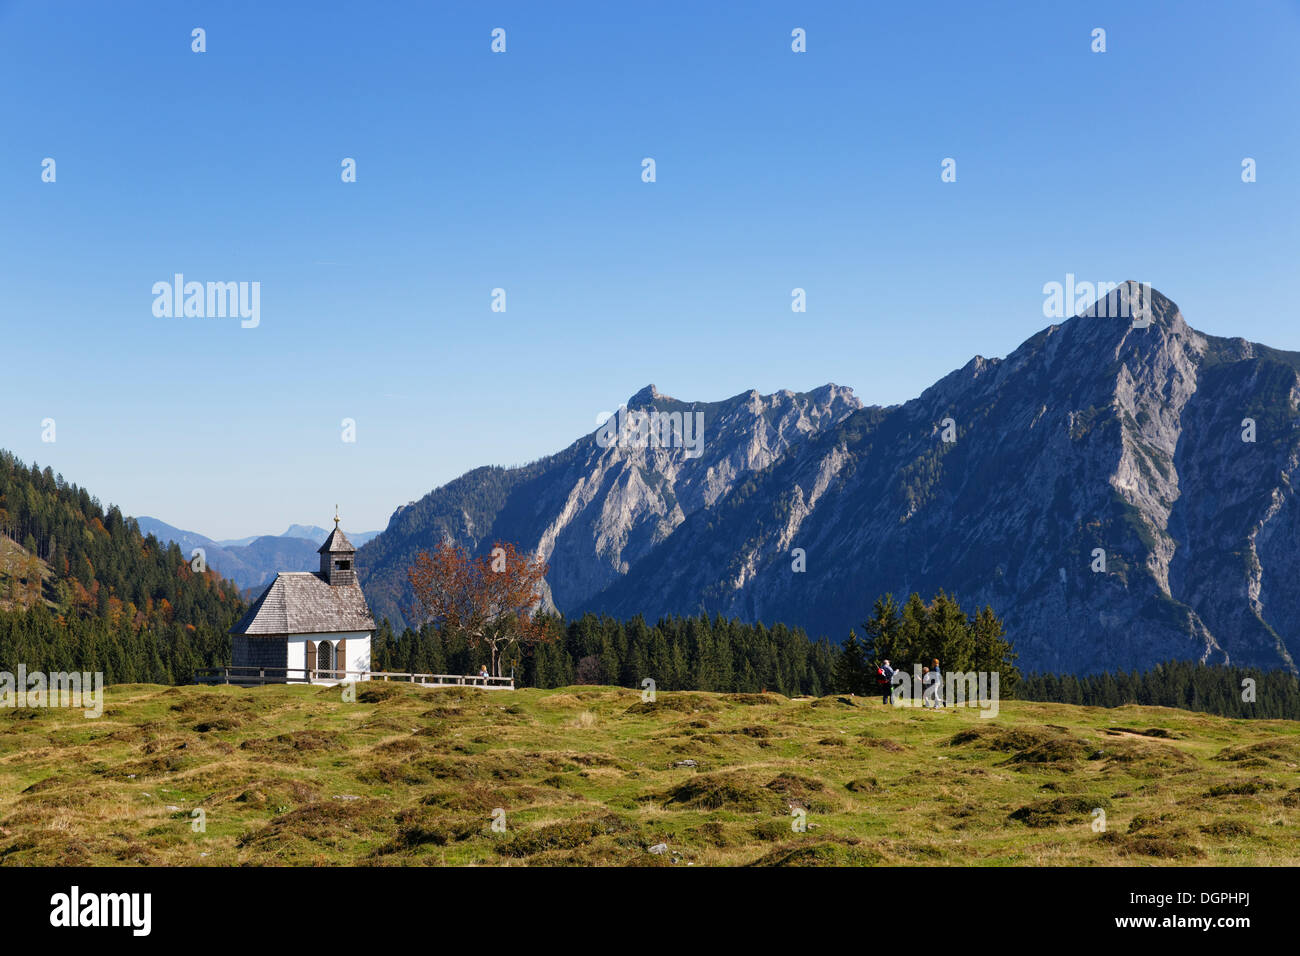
point(770, 438)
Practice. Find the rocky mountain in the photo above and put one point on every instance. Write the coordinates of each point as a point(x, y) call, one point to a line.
point(1120, 491)
point(608, 500)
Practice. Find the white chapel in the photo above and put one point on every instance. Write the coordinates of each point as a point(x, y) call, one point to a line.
point(312, 625)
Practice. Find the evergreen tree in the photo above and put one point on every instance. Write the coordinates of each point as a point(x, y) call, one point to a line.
point(851, 669)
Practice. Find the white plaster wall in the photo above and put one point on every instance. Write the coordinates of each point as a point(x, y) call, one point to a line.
point(358, 651)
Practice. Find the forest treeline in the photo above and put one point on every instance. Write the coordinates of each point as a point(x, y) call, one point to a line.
point(1189, 685)
point(677, 653)
point(110, 598)
point(124, 651)
point(730, 656)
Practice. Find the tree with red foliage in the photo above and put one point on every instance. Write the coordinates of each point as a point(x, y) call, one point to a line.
point(490, 600)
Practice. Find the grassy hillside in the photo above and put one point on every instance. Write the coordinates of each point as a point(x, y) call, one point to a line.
point(594, 776)
point(14, 563)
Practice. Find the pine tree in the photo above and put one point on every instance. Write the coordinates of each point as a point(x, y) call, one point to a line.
point(850, 674)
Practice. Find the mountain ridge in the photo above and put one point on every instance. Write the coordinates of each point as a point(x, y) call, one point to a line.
point(251, 563)
point(1095, 433)
point(592, 509)
point(1134, 458)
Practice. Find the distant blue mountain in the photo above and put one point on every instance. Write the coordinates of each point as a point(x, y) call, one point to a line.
point(185, 540)
point(319, 534)
point(251, 562)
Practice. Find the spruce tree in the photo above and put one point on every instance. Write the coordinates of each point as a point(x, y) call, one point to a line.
point(850, 674)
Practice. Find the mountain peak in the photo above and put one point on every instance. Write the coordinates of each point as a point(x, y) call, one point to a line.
point(1132, 301)
point(644, 397)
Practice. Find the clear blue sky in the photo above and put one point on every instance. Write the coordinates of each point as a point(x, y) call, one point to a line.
point(523, 171)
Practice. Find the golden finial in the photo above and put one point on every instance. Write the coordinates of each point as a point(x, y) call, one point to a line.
point(336, 517)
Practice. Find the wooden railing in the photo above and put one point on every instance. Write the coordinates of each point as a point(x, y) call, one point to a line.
point(301, 675)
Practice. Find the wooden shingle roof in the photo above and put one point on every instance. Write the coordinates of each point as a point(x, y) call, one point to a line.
point(337, 541)
point(301, 602)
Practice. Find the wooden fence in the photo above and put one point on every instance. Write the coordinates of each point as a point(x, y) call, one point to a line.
point(255, 676)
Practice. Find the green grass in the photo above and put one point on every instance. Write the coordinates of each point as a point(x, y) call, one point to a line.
point(297, 776)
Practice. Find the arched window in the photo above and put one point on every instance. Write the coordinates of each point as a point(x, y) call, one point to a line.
point(324, 656)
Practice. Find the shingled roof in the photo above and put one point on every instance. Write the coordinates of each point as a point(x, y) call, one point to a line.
point(337, 541)
point(301, 602)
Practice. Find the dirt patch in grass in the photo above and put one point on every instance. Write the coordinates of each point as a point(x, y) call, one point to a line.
point(1058, 810)
point(799, 791)
point(963, 811)
point(1228, 828)
point(142, 732)
point(1028, 746)
point(389, 772)
point(724, 791)
point(1160, 847)
point(300, 741)
point(69, 797)
point(226, 722)
point(400, 745)
point(156, 766)
point(379, 691)
point(471, 798)
point(837, 701)
point(1141, 758)
point(820, 853)
point(328, 821)
point(756, 700)
point(1241, 788)
point(1147, 822)
point(713, 834)
point(419, 826)
point(442, 712)
point(1277, 750)
point(281, 792)
point(1058, 751)
point(568, 835)
point(756, 731)
point(1149, 732)
point(49, 783)
point(680, 703)
point(211, 703)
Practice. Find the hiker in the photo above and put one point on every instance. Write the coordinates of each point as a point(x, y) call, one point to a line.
point(938, 684)
point(886, 677)
point(926, 682)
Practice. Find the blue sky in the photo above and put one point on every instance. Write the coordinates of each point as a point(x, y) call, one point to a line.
point(522, 171)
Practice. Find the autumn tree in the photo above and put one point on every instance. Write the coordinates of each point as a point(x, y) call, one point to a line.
point(32, 578)
point(490, 600)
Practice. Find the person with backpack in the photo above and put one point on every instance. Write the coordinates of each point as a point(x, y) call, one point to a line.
point(885, 676)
